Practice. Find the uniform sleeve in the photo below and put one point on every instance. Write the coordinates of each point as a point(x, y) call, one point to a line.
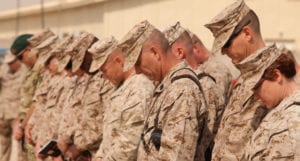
point(127, 137)
point(66, 126)
point(214, 106)
point(180, 132)
point(27, 92)
point(89, 133)
point(283, 140)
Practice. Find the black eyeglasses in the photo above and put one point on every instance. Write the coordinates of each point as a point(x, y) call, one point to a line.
point(235, 33)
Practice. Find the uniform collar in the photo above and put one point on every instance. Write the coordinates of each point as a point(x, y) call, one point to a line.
point(167, 79)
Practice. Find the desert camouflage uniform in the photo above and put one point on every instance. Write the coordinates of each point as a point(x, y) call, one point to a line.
point(243, 113)
point(180, 113)
point(278, 135)
point(40, 99)
point(221, 74)
point(10, 86)
point(89, 132)
point(32, 79)
point(124, 118)
point(51, 112)
point(215, 106)
point(72, 106)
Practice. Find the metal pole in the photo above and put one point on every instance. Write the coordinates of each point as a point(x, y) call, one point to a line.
point(18, 17)
point(42, 14)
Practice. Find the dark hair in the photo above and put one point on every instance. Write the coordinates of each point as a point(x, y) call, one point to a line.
point(158, 38)
point(284, 63)
point(255, 24)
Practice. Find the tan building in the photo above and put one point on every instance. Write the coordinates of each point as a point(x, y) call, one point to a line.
point(115, 17)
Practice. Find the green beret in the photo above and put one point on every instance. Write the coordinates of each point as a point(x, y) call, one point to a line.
point(20, 43)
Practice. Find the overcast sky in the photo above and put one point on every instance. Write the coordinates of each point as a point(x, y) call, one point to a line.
point(11, 4)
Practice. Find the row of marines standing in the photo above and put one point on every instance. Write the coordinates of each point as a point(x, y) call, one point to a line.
point(152, 96)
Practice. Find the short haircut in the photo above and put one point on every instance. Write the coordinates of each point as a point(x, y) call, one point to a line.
point(157, 38)
point(254, 21)
point(186, 40)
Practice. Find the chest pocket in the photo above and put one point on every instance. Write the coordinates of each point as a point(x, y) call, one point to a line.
point(133, 111)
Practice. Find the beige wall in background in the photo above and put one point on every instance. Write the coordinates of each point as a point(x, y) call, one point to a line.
point(279, 18)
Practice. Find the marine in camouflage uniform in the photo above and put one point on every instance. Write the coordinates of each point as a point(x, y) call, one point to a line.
point(277, 137)
point(32, 80)
point(125, 115)
point(210, 64)
point(40, 97)
point(221, 74)
point(243, 112)
point(171, 126)
point(34, 75)
point(10, 85)
point(175, 109)
point(88, 134)
point(72, 114)
point(179, 37)
point(59, 87)
point(124, 118)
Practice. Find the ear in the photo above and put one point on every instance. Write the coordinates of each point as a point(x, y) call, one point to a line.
point(178, 51)
point(119, 60)
point(156, 53)
point(248, 33)
point(279, 77)
point(196, 47)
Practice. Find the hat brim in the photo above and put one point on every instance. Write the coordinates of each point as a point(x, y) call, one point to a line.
point(47, 42)
point(62, 63)
point(221, 40)
point(9, 59)
point(77, 61)
point(130, 61)
point(97, 64)
point(43, 58)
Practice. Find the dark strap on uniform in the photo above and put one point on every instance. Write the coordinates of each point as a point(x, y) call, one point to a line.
point(203, 74)
point(294, 103)
point(193, 78)
point(196, 81)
